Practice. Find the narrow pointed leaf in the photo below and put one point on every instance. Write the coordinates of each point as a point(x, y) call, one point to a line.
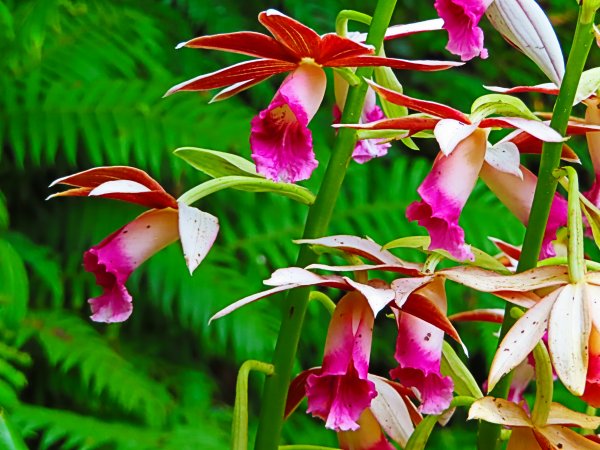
point(501, 105)
point(216, 164)
point(452, 366)
point(418, 440)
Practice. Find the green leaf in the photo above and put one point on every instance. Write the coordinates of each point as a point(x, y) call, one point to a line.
point(14, 286)
point(589, 83)
point(419, 242)
point(379, 134)
point(10, 439)
point(501, 104)
point(248, 184)
point(216, 164)
point(452, 366)
point(418, 440)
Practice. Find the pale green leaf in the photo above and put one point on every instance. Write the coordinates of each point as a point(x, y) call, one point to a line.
point(500, 104)
point(216, 164)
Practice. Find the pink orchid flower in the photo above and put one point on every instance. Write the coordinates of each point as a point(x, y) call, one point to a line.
point(114, 259)
point(419, 353)
point(463, 152)
point(280, 140)
point(529, 435)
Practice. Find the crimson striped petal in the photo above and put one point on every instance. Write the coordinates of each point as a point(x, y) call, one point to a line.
point(244, 42)
point(236, 88)
point(336, 47)
point(238, 73)
point(298, 38)
point(409, 123)
point(424, 106)
point(394, 63)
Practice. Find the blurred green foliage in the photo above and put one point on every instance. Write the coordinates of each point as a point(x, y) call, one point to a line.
point(80, 86)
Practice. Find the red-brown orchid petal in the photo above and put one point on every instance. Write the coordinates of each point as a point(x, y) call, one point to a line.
point(425, 309)
point(523, 439)
point(536, 128)
point(377, 297)
point(403, 30)
point(424, 106)
point(575, 127)
point(568, 337)
point(244, 42)
point(546, 88)
point(487, 281)
point(404, 287)
point(499, 411)
point(360, 246)
point(390, 410)
point(491, 315)
point(526, 143)
point(513, 251)
point(297, 391)
point(298, 38)
point(521, 339)
point(197, 232)
point(119, 183)
point(354, 268)
point(561, 415)
point(236, 88)
point(394, 63)
point(336, 47)
point(241, 72)
point(566, 439)
point(409, 123)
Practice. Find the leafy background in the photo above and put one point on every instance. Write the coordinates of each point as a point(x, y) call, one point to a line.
point(81, 85)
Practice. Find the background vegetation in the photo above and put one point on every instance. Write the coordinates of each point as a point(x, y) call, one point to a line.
point(80, 86)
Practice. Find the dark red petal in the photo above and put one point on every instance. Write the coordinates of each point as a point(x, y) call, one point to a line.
point(526, 143)
point(298, 38)
point(394, 63)
point(547, 88)
point(424, 106)
point(244, 42)
point(244, 71)
point(297, 391)
point(409, 123)
point(337, 47)
point(479, 315)
point(237, 88)
point(423, 308)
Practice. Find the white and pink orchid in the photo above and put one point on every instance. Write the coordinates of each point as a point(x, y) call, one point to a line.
point(114, 259)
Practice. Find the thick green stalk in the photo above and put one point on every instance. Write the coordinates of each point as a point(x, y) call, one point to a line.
point(319, 216)
point(544, 193)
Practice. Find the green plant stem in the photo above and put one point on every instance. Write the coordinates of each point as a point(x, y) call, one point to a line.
point(544, 385)
point(319, 216)
point(324, 300)
point(544, 194)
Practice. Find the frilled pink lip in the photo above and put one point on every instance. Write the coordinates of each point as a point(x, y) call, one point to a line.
point(116, 257)
point(280, 140)
point(461, 18)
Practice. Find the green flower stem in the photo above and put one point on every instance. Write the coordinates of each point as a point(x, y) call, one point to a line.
point(544, 193)
point(239, 427)
point(558, 260)
point(544, 385)
point(346, 15)
point(319, 216)
point(324, 300)
point(590, 411)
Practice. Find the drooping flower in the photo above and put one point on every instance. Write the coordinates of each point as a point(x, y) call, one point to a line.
point(463, 152)
point(114, 259)
point(419, 353)
point(280, 140)
point(341, 391)
point(526, 434)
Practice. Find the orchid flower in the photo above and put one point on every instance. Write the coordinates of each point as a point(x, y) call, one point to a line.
point(280, 141)
point(114, 259)
point(527, 435)
point(523, 23)
point(464, 150)
point(391, 411)
point(419, 353)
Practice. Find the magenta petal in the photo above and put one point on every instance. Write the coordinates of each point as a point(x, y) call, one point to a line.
point(113, 260)
point(367, 149)
point(341, 392)
point(445, 191)
point(281, 143)
point(461, 18)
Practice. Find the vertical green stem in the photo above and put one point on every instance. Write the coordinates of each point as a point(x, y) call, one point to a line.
point(319, 216)
point(544, 192)
point(544, 385)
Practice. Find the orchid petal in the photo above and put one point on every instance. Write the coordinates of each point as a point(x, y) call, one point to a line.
point(449, 133)
point(568, 336)
point(504, 157)
point(407, 29)
point(391, 412)
point(236, 88)
point(545, 88)
point(118, 187)
point(241, 72)
point(197, 231)
point(523, 439)
point(536, 128)
point(297, 391)
point(461, 18)
point(499, 411)
point(525, 25)
point(114, 259)
point(358, 267)
point(520, 340)
point(302, 277)
point(394, 63)
point(404, 287)
point(367, 437)
point(244, 42)
point(487, 281)
point(378, 298)
point(334, 47)
point(280, 140)
point(510, 250)
point(424, 106)
point(527, 143)
point(562, 437)
point(561, 415)
point(591, 295)
point(296, 37)
point(479, 315)
point(413, 124)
